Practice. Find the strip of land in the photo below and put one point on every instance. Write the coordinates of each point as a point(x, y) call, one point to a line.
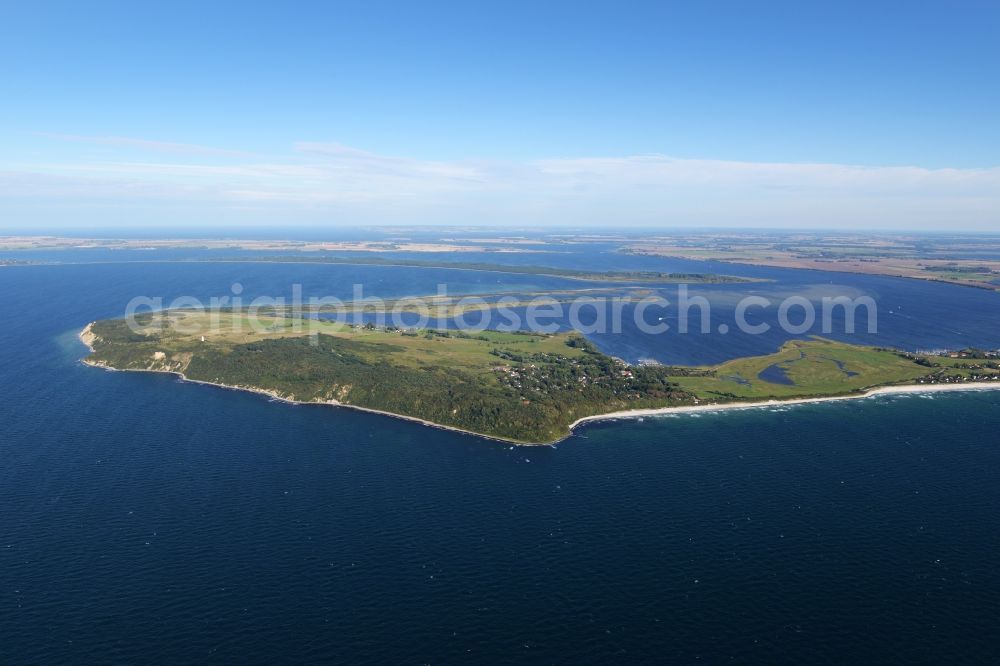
point(519, 387)
point(607, 277)
point(950, 260)
point(388, 245)
point(641, 277)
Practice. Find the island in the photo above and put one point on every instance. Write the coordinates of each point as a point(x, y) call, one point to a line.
point(520, 387)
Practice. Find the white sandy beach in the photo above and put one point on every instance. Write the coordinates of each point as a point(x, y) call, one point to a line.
point(709, 407)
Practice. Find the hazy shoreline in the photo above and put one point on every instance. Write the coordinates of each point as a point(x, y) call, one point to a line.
point(86, 337)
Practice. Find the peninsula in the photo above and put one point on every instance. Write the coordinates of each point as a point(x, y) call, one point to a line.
point(520, 387)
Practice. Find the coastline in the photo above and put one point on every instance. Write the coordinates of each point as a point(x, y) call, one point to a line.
point(86, 337)
point(901, 389)
point(329, 403)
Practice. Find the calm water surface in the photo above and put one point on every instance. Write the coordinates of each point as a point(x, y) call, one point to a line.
point(147, 520)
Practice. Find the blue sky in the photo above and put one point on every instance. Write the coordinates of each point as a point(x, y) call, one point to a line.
point(666, 114)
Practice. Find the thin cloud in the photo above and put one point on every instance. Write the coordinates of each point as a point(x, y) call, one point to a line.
point(344, 157)
point(639, 189)
point(145, 144)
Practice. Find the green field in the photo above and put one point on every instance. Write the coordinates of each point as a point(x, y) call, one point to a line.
point(522, 387)
point(813, 367)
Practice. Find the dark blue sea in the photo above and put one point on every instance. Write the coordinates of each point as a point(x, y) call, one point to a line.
point(148, 520)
